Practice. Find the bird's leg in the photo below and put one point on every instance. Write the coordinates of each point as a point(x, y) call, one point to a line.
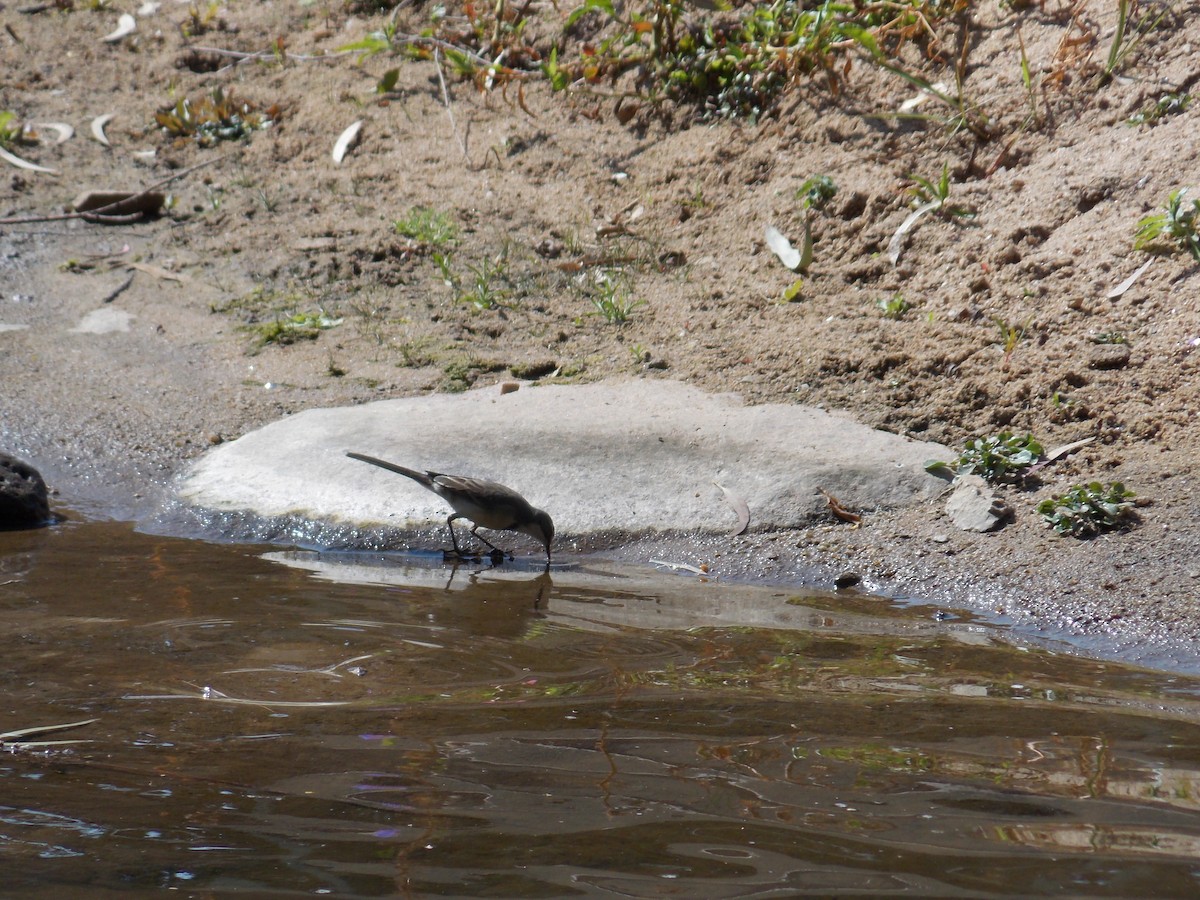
point(503, 553)
point(453, 539)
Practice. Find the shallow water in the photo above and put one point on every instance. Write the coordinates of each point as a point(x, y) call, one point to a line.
point(288, 724)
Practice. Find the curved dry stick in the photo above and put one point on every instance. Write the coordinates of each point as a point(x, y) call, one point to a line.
point(97, 214)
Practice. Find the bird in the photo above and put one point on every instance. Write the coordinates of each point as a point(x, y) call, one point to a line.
point(486, 503)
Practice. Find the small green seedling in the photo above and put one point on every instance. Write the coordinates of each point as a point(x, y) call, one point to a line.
point(1088, 509)
point(1010, 336)
point(928, 196)
point(375, 42)
point(937, 194)
point(1176, 222)
point(387, 83)
point(894, 307)
point(559, 78)
point(1001, 457)
point(427, 226)
point(1166, 105)
point(1128, 35)
point(299, 327)
point(613, 302)
point(484, 290)
point(11, 132)
point(817, 191)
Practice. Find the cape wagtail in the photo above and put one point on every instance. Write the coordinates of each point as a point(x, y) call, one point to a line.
point(486, 503)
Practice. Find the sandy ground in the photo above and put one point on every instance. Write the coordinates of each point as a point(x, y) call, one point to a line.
point(551, 195)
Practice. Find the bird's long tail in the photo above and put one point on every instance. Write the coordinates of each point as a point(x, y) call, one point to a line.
point(420, 477)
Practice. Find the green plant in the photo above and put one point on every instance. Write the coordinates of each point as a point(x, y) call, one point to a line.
point(1010, 336)
point(427, 226)
point(1027, 81)
point(1123, 42)
point(736, 62)
point(559, 78)
point(817, 191)
point(936, 195)
point(612, 301)
point(200, 20)
point(458, 376)
point(298, 327)
point(375, 42)
point(218, 117)
point(894, 307)
point(11, 131)
point(472, 42)
point(793, 292)
point(1088, 509)
point(1166, 105)
point(387, 81)
point(928, 196)
point(1176, 222)
point(483, 287)
point(966, 113)
point(483, 290)
point(1001, 457)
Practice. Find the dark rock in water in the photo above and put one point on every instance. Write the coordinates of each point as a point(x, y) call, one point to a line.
point(23, 502)
point(846, 580)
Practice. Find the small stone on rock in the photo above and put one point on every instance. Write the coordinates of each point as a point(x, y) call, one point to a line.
point(974, 507)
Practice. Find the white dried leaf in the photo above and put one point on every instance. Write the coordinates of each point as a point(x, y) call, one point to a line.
point(782, 247)
point(895, 244)
point(1128, 282)
point(126, 25)
point(64, 131)
point(913, 102)
point(346, 141)
point(24, 163)
point(98, 124)
point(740, 508)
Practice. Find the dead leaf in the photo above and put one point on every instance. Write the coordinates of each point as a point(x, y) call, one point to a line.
point(835, 507)
point(346, 141)
point(1128, 282)
point(739, 506)
point(1058, 453)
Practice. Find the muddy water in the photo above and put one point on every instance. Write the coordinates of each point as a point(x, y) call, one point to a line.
point(294, 724)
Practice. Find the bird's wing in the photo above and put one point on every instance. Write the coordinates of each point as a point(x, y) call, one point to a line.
point(476, 486)
point(485, 503)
